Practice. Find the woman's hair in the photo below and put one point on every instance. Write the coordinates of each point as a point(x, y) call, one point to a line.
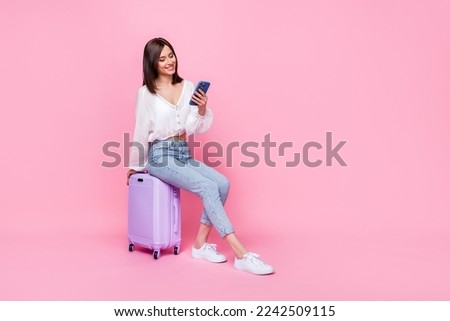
point(152, 51)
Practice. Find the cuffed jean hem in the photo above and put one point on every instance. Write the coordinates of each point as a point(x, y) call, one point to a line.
point(222, 232)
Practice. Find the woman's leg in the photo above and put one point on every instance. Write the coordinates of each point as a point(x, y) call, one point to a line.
point(232, 240)
point(202, 235)
point(205, 227)
point(192, 177)
point(221, 180)
point(244, 260)
point(186, 177)
point(223, 185)
point(237, 247)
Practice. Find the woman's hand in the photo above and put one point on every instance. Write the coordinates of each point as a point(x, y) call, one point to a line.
point(131, 172)
point(201, 100)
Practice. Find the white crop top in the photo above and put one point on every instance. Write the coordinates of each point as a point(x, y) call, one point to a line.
point(158, 119)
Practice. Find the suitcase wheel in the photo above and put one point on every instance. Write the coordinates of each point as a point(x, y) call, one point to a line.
point(131, 247)
point(176, 250)
point(156, 255)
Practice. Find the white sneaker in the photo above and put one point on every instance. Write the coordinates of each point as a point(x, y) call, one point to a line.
point(253, 264)
point(209, 253)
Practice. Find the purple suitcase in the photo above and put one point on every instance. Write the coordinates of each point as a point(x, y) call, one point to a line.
point(154, 216)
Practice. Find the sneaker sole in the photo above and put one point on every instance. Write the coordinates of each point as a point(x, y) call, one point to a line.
point(198, 257)
point(239, 268)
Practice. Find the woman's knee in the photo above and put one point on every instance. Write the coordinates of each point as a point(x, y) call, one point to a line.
point(224, 185)
point(209, 186)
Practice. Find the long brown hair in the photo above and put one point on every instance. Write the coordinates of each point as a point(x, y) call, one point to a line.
point(152, 51)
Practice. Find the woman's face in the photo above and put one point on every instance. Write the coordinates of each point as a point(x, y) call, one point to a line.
point(167, 62)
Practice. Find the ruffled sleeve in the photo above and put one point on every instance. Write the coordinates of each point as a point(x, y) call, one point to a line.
point(196, 124)
point(142, 130)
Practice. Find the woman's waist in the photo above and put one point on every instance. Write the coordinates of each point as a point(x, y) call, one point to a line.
point(172, 141)
point(179, 137)
point(159, 138)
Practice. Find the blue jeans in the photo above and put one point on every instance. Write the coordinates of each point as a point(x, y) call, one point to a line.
point(171, 161)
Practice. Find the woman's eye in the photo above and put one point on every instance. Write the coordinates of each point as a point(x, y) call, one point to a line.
point(171, 56)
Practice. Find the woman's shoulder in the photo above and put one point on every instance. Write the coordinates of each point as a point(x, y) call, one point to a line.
point(144, 92)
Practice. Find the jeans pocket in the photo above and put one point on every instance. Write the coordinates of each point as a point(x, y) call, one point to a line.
point(155, 154)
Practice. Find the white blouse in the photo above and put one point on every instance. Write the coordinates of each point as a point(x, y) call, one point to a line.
point(156, 118)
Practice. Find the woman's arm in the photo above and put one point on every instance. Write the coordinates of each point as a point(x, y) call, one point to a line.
point(142, 129)
point(200, 118)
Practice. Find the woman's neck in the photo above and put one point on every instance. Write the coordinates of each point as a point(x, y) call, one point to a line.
point(163, 81)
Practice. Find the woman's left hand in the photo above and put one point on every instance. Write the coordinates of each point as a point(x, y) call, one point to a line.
point(201, 100)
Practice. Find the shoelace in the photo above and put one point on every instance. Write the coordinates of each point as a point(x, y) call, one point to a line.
point(254, 258)
point(211, 247)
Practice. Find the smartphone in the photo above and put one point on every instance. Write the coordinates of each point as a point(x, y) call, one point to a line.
point(203, 85)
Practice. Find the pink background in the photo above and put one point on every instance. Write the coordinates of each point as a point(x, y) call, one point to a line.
point(375, 73)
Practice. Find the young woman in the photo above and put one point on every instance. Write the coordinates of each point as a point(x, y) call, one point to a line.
point(164, 119)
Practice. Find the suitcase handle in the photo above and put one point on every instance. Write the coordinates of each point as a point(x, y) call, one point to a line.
point(175, 210)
